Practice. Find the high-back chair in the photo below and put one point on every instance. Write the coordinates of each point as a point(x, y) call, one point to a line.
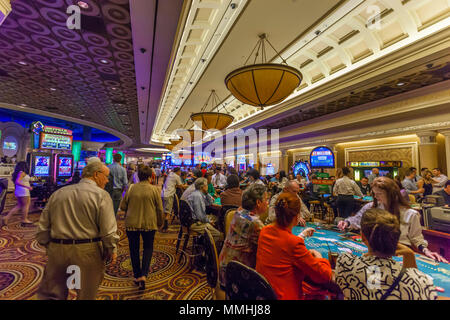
point(228, 218)
point(245, 283)
point(185, 216)
point(221, 220)
point(212, 266)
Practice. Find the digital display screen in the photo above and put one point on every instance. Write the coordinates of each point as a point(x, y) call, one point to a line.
point(383, 173)
point(270, 171)
point(42, 166)
point(200, 157)
point(55, 141)
point(322, 157)
point(64, 166)
point(81, 164)
point(187, 162)
point(9, 145)
point(176, 162)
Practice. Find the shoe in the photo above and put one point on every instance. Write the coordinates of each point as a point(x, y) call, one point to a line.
point(142, 285)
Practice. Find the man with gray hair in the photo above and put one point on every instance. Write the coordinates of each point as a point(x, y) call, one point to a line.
point(291, 187)
point(198, 200)
point(78, 227)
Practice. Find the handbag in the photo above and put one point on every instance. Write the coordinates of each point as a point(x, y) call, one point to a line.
point(392, 287)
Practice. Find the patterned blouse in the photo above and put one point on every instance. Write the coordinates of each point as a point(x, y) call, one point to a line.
point(241, 241)
point(369, 277)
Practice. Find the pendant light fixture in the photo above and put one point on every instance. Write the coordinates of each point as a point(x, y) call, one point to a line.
point(264, 84)
point(212, 120)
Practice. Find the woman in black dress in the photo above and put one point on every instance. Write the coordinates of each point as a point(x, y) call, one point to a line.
point(426, 183)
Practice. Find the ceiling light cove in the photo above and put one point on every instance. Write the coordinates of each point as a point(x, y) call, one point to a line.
point(206, 27)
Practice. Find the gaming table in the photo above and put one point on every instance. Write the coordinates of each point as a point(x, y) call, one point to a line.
point(327, 237)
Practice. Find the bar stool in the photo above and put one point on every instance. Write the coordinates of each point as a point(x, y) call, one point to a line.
point(315, 208)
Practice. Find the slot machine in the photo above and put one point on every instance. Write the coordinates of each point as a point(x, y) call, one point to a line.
point(63, 168)
point(41, 165)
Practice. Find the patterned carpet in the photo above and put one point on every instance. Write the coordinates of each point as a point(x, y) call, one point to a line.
point(22, 262)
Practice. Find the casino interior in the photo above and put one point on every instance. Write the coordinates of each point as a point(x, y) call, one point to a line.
point(269, 90)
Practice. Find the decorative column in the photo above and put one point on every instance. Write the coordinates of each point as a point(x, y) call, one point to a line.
point(284, 160)
point(428, 149)
point(446, 134)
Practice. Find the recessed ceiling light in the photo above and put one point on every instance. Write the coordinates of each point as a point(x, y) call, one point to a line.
point(83, 5)
point(53, 89)
point(400, 84)
point(104, 61)
point(23, 63)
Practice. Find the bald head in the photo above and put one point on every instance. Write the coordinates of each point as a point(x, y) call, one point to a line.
point(97, 172)
point(292, 186)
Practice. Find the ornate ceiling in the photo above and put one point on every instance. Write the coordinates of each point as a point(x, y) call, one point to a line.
point(350, 36)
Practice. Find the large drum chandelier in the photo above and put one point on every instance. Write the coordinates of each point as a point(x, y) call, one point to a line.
point(212, 120)
point(264, 84)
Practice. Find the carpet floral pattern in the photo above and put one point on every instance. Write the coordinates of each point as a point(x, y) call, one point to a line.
point(22, 262)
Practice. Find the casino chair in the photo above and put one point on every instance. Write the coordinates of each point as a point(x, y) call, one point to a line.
point(3, 193)
point(185, 216)
point(176, 208)
point(212, 266)
point(245, 283)
point(228, 218)
point(221, 220)
point(315, 207)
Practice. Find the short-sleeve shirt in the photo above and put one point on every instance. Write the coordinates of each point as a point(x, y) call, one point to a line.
point(369, 277)
point(170, 185)
point(241, 241)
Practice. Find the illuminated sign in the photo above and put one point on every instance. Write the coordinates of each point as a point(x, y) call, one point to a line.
point(5, 10)
point(54, 141)
point(56, 130)
point(321, 157)
point(323, 181)
point(369, 164)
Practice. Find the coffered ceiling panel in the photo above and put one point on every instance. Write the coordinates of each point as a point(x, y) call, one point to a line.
point(87, 74)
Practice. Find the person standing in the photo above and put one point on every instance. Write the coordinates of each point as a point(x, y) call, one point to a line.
point(158, 174)
point(120, 181)
point(439, 180)
point(173, 181)
point(375, 174)
point(426, 183)
point(345, 188)
point(218, 179)
point(78, 228)
point(144, 215)
point(22, 192)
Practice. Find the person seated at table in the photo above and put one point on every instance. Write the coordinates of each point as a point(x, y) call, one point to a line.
point(232, 196)
point(294, 188)
point(191, 188)
point(364, 186)
point(375, 275)
point(301, 181)
point(345, 189)
point(387, 196)
point(445, 193)
point(198, 201)
point(242, 238)
point(283, 259)
point(218, 179)
point(211, 190)
point(254, 177)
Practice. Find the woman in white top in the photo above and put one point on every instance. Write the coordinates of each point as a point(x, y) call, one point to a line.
point(387, 196)
point(375, 275)
point(22, 192)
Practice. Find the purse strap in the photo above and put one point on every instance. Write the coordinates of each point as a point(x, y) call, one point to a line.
point(392, 287)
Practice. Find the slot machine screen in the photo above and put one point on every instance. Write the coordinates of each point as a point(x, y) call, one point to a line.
point(187, 162)
point(81, 164)
point(42, 166)
point(65, 166)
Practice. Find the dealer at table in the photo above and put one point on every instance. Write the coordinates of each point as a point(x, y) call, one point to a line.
point(387, 196)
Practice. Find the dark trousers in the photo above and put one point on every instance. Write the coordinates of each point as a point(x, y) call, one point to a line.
point(116, 197)
point(134, 240)
point(346, 205)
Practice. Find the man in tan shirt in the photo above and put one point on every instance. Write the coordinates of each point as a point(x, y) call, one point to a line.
point(79, 230)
